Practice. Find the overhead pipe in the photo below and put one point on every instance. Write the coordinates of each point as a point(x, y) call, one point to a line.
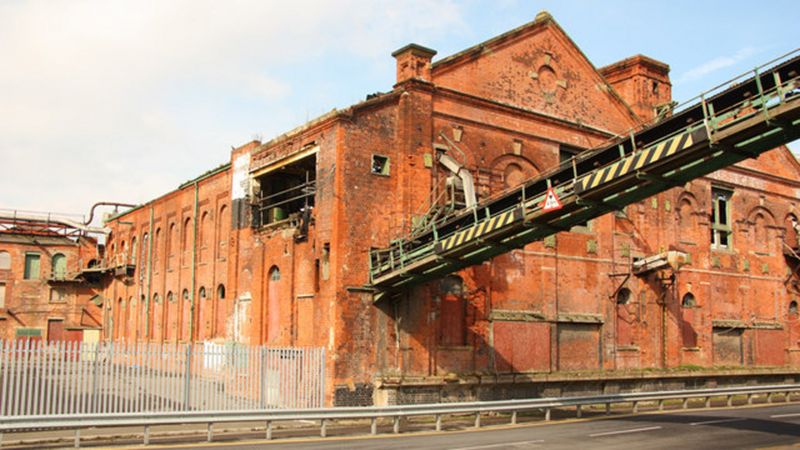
point(115, 204)
point(13, 215)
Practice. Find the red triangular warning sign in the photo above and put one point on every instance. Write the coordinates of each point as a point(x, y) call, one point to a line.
point(551, 201)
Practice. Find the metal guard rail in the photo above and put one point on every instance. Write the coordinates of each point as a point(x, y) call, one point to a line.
point(82, 421)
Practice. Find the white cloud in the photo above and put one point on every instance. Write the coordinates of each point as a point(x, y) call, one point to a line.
point(716, 64)
point(123, 100)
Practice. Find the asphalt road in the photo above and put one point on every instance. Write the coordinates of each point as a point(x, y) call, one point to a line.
point(742, 428)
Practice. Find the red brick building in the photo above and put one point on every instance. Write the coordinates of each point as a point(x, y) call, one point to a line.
point(273, 247)
point(49, 287)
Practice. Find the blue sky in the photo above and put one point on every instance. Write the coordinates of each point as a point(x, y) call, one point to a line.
point(124, 100)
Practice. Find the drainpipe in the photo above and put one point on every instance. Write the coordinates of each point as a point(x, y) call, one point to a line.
point(194, 263)
point(148, 312)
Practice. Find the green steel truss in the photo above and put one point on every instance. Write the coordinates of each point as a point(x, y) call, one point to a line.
point(741, 119)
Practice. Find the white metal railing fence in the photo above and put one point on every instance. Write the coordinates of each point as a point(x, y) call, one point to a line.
point(59, 378)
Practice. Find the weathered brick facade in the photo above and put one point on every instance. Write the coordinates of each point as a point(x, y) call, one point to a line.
point(208, 266)
point(42, 295)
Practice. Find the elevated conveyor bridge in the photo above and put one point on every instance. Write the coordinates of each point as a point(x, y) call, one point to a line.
point(740, 119)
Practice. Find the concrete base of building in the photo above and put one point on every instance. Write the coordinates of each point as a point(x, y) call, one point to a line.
point(415, 390)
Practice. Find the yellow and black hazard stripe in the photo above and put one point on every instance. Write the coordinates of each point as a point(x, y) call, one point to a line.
point(636, 161)
point(482, 228)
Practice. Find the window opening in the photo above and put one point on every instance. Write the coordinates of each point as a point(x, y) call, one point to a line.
point(286, 194)
point(566, 153)
point(380, 165)
point(721, 218)
point(688, 300)
point(623, 296)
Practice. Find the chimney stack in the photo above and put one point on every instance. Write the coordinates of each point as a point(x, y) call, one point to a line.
point(414, 62)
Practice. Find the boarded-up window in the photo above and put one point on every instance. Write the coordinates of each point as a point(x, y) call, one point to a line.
point(522, 346)
point(5, 260)
point(578, 346)
point(32, 266)
point(626, 318)
point(727, 346)
point(55, 330)
point(203, 233)
point(452, 316)
point(59, 266)
point(58, 295)
point(223, 227)
point(2, 298)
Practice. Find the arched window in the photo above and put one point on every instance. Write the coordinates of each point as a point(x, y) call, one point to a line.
point(133, 251)
point(688, 300)
point(626, 318)
point(792, 226)
point(92, 263)
point(156, 244)
point(186, 232)
point(688, 334)
point(623, 296)
point(5, 260)
point(170, 297)
point(203, 232)
point(156, 299)
point(221, 292)
point(202, 293)
point(172, 242)
point(793, 307)
point(145, 248)
point(222, 231)
point(59, 266)
point(186, 294)
point(274, 305)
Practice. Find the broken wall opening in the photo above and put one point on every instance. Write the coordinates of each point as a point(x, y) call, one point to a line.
point(284, 193)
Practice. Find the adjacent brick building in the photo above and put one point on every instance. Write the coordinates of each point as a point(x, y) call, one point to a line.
point(49, 280)
point(273, 247)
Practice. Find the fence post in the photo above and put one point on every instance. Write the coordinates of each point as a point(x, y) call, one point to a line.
point(263, 378)
point(187, 377)
point(95, 368)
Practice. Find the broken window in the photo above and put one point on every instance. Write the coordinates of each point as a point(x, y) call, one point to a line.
point(566, 153)
point(721, 229)
point(688, 301)
point(380, 165)
point(58, 295)
point(286, 193)
point(623, 296)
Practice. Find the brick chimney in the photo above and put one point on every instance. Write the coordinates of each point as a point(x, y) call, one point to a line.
point(642, 82)
point(414, 62)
